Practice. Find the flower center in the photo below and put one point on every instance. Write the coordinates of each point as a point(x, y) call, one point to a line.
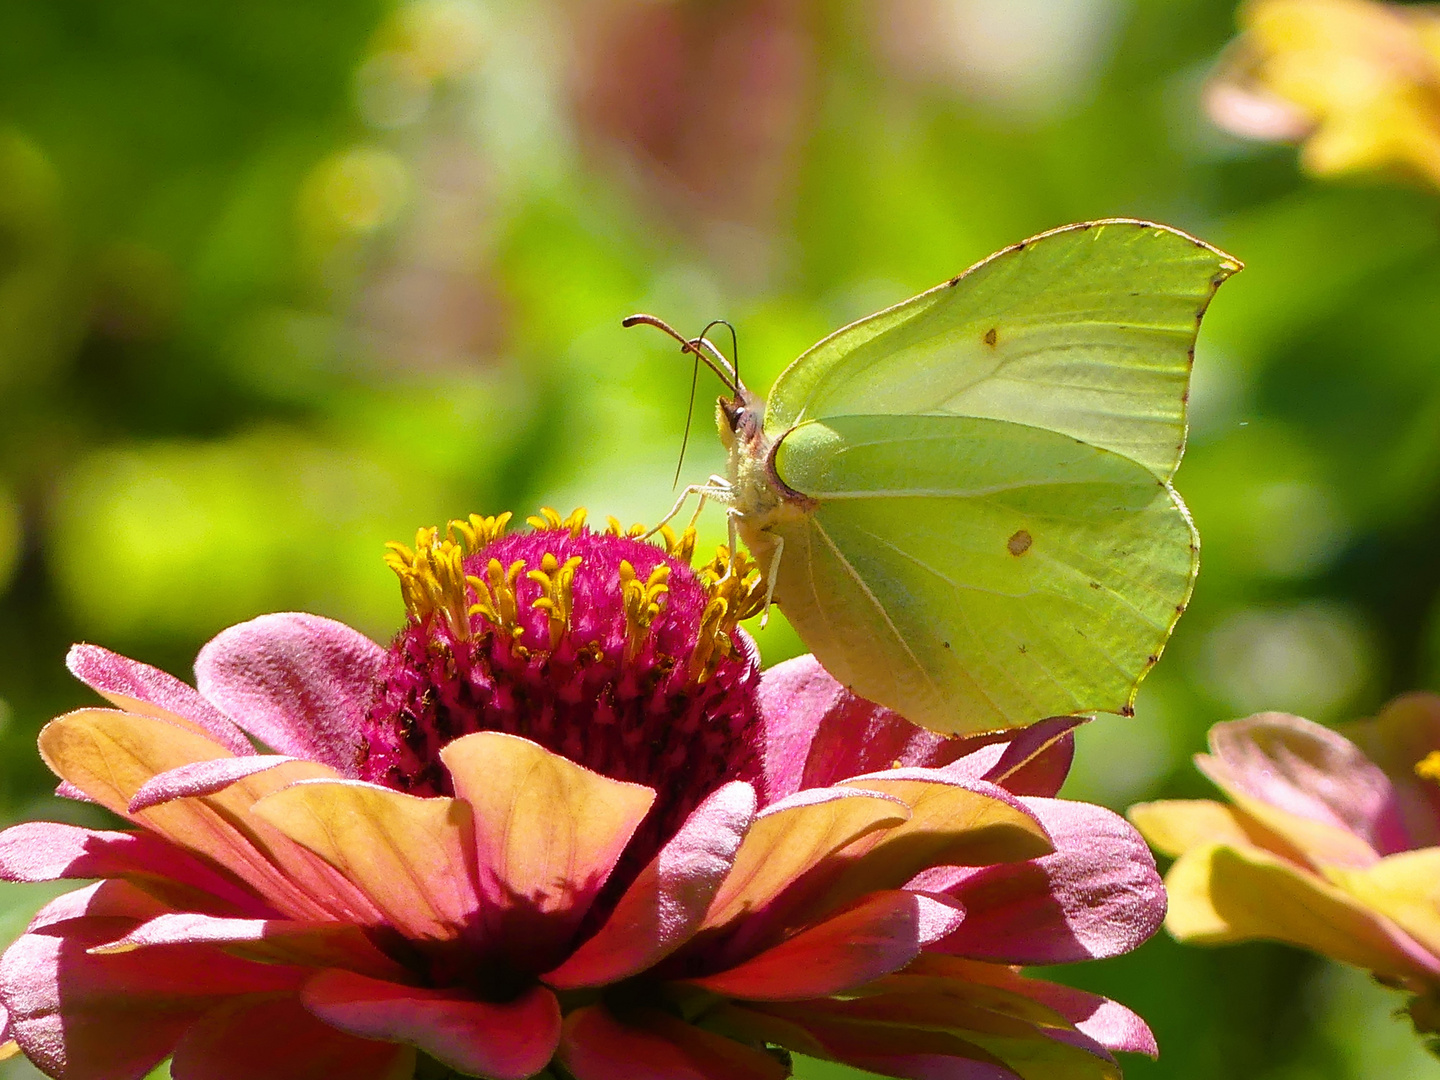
point(603, 647)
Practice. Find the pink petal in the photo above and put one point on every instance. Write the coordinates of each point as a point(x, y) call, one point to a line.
point(1309, 771)
point(112, 898)
point(1108, 1022)
point(1028, 761)
point(818, 733)
point(886, 1049)
point(408, 856)
point(270, 941)
point(651, 1045)
point(1098, 895)
point(298, 683)
point(49, 851)
point(879, 935)
point(200, 778)
point(296, 1046)
point(547, 835)
point(79, 1016)
point(1404, 732)
point(667, 903)
point(140, 688)
point(510, 1041)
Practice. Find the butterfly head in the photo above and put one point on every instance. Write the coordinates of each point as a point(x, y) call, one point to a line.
point(740, 418)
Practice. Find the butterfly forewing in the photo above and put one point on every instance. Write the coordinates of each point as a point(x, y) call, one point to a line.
point(1088, 330)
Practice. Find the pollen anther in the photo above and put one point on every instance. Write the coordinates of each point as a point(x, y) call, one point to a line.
point(1428, 767)
point(549, 518)
point(642, 602)
point(556, 598)
point(432, 579)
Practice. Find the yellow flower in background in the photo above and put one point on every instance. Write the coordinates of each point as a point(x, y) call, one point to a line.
point(1323, 844)
point(1357, 83)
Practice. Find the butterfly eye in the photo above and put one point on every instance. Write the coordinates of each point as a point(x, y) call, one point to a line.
point(734, 413)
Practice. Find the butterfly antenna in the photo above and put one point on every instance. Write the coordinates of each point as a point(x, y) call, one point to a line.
point(689, 416)
point(713, 359)
point(734, 349)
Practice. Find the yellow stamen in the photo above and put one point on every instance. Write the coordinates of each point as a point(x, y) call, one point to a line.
point(555, 598)
point(1428, 767)
point(614, 528)
point(642, 603)
point(479, 532)
point(551, 519)
point(432, 579)
point(736, 591)
point(680, 547)
point(496, 600)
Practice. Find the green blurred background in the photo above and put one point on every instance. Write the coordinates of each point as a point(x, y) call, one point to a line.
point(282, 281)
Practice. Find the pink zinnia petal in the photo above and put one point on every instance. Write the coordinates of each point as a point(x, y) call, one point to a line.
point(879, 935)
point(270, 941)
point(50, 851)
point(504, 1041)
point(1108, 1022)
point(140, 688)
point(298, 683)
point(407, 855)
point(201, 778)
point(295, 1046)
point(85, 1017)
point(1029, 761)
point(548, 832)
point(667, 903)
point(1098, 895)
point(818, 733)
point(651, 1045)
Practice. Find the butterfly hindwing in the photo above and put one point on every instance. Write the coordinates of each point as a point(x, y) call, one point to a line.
point(974, 573)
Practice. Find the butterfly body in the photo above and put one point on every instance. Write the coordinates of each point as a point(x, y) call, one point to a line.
point(963, 502)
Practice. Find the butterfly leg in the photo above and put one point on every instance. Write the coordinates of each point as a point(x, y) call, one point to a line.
point(718, 488)
point(770, 578)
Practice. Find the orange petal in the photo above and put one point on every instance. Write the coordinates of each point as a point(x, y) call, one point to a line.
point(548, 832)
point(1404, 888)
point(950, 824)
point(111, 755)
point(1174, 826)
point(406, 854)
point(1221, 894)
point(792, 836)
point(664, 907)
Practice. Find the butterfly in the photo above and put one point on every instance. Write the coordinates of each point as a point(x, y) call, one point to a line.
point(963, 503)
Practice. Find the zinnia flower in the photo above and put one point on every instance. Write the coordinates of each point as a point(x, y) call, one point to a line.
point(1321, 846)
point(1357, 82)
point(562, 821)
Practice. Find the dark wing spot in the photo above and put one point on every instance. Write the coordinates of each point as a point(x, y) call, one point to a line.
point(991, 336)
point(1020, 542)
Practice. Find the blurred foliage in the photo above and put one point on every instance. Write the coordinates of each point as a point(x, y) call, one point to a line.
point(280, 282)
